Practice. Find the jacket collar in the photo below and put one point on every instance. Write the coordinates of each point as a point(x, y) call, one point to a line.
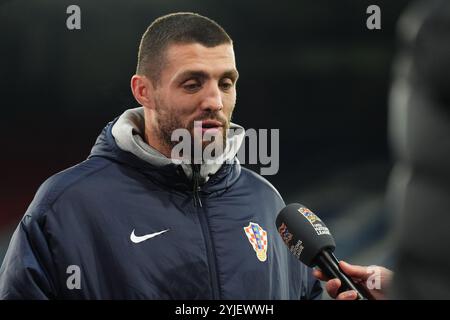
point(167, 173)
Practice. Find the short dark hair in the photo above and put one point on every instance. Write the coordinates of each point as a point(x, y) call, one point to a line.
point(175, 28)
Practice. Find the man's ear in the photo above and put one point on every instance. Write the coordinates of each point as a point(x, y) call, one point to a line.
point(142, 89)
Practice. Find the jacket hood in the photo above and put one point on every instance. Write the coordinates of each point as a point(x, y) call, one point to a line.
point(121, 141)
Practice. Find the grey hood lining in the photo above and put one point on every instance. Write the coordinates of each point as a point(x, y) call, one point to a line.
point(128, 132)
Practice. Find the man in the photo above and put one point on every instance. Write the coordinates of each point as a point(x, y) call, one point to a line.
point(130, 222)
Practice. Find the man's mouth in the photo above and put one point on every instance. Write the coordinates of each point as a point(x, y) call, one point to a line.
point(212, 126)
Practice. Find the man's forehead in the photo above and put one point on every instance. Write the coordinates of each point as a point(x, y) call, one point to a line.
point(181, 57)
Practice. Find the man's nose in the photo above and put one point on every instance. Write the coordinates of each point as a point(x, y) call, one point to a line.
point(212, 100)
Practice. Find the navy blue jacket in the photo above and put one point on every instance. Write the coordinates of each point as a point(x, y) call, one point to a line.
point(81, 219)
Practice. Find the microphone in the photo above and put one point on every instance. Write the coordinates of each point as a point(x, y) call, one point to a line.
point(310, 241)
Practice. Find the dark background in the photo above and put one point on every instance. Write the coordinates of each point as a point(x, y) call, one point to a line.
point(309, 68)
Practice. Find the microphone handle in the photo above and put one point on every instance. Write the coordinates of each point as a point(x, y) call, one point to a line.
point(329, 265)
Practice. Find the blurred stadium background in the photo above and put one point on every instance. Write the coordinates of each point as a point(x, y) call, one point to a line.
point(310, 68)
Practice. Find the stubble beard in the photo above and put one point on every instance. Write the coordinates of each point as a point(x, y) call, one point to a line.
point(168, 120)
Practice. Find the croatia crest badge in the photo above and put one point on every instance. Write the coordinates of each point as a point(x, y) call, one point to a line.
point(257, 237)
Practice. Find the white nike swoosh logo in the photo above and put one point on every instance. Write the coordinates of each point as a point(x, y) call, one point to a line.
point(136, 239)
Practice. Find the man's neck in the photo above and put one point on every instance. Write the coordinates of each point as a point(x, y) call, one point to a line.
point(152, 140)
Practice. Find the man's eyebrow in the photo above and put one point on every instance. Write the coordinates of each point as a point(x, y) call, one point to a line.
point(192, 74)
point(232, 74)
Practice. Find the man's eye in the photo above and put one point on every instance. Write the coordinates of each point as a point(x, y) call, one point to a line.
point(226, 85)
point(191, 85)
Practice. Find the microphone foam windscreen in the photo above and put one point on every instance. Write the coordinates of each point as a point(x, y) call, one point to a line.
point(303, 232)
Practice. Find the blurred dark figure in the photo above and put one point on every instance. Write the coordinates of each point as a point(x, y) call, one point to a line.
point(420, 137)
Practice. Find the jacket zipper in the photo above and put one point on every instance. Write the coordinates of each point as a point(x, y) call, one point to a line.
point(196, 185)
point(206, 232)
